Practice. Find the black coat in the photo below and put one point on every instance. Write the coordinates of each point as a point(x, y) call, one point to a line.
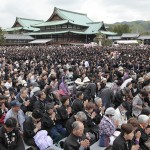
point(39, 105)
point(16, 145)
point(77, 106)
point(23, 107)
point(144, 137)
point(72, 143)
point(121, 144)
point(28, 127)
point(47, 122)
point(62, 111)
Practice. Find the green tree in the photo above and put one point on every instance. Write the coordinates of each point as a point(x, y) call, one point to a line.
point(2, 39)
point(121, 28)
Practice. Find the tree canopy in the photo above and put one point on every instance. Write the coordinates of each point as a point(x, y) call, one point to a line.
point(2, 39)
point(120, 28)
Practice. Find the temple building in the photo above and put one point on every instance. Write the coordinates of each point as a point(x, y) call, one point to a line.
point(23, 25)
point(65, 26)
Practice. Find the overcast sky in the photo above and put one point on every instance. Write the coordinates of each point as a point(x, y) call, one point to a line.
point(109, 11)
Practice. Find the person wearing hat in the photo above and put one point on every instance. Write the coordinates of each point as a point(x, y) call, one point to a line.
point(10, 138)
point(50, 123)
point(107, 127)
point(16, 113)
point(78, 86)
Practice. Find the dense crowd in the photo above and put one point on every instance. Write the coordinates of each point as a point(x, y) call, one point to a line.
point(81, 95)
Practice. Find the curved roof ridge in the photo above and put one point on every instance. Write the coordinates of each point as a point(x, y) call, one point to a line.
point(71, 11)
point(95, 22)
point(28, 19)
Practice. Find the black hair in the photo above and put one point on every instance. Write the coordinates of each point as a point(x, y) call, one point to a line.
point(36, 114)
point(64, 99)
point(11, 122)
point(79, 93)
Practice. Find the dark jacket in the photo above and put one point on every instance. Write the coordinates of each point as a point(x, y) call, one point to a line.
point(121, 144)
point(39, 105)
point(144, 137)
point(28, 127)
point(23, 107)
point(69, 124)
point(16, 145)
point(118, 98)
point(62, 111)
point(107, 97)
point(77, 106)
point(72, 143)
point(47, 122)
point(90, 91)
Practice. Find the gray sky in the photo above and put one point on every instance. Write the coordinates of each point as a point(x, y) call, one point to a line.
point(109, 11)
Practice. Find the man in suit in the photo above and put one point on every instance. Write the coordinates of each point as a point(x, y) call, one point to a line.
point(74, 141)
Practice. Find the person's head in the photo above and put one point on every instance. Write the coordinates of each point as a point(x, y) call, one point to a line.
point(89, 107)
point(15, 105)
point(50, 108)
point(110, 112)
point(36, 115)
point(126, 91)
point(81, 116)
point(41, 95)
point(9, 80)
point(143, 120)
point(123, 108)
point(80, 95)
point(98, 101)
point(23, 93)
point(10, 124)
point(78, 128)
point(65, 100)
point(7, 92)
point(2, 99)
point(134, 122)
point(146, 111)
point(129, 85)
point(143, 93)
point(127, 130)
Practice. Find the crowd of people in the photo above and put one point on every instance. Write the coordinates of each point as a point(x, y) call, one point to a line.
point(81, 95)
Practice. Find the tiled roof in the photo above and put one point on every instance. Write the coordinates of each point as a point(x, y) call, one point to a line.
point(74, 17)
point(18, 37)
point(144, 37)
point(130, 35)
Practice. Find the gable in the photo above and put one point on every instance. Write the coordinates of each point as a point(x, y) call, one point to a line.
point(55, 17)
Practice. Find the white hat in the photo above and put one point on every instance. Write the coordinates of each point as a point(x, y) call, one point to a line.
point(86, 79)
point(24, 83)
point(120, 68)
point(110, 111)
point(104, 80)
point(78, 81)
point(141, 79)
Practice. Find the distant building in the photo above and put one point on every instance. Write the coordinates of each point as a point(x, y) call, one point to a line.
point(145, 39)
point(17, 39)
point(23, 25)
point(63, 26)
point(130, 36)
